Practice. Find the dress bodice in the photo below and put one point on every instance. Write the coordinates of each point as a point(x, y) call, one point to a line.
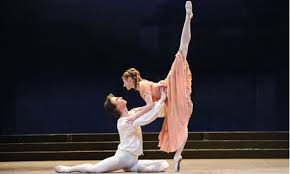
point(152, 88)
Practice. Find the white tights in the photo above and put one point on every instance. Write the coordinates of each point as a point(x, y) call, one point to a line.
point(184, 43)
point(186, 33)
point(121, 160)
point(180, 149)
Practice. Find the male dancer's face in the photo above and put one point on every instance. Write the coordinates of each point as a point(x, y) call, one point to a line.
point(119, 102)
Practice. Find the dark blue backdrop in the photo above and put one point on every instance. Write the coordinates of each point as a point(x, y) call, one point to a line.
point(70, 54)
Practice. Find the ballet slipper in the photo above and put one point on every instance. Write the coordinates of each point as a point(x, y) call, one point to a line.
point(61, 169)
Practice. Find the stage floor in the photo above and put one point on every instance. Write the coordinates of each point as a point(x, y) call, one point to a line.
point(196, 166)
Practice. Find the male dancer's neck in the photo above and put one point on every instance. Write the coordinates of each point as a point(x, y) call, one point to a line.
point(124, 112)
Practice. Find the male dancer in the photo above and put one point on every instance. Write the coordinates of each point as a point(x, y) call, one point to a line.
point(130, 147)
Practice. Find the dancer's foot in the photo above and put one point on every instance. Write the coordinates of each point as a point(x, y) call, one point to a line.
point(176, 163)
point(148, 169)
point(61, 169)
point(188, 9)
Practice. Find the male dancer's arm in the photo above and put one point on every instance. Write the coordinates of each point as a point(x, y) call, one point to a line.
point(152, 114)
point(143, 110)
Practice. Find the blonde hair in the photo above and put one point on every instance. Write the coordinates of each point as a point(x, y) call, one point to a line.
point(134, 74)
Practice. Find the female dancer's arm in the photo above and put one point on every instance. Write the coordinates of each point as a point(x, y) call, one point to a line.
point(186, 34)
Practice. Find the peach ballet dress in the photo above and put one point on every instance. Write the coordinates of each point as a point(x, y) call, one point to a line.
point(178, 105)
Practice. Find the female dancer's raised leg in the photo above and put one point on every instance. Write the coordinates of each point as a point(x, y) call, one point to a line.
point(186, 33)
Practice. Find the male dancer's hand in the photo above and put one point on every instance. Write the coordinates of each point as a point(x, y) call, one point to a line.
point(163, 94)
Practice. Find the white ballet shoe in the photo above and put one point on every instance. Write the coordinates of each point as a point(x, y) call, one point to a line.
point(61, 169)
point(188, 9)
point(176, 163)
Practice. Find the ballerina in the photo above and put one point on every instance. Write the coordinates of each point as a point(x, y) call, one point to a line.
point(177, 108)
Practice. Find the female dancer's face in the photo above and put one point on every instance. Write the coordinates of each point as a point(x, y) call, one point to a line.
point(129, 83)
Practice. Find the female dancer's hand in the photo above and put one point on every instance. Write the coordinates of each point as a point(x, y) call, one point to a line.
point(131, 120)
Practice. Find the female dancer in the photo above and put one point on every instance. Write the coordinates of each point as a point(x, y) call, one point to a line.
point(177, 108)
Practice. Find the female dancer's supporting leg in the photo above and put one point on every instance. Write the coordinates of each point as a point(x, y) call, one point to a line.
point(184, 42)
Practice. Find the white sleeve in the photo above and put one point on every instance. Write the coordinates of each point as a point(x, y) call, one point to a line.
point(149, 116)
